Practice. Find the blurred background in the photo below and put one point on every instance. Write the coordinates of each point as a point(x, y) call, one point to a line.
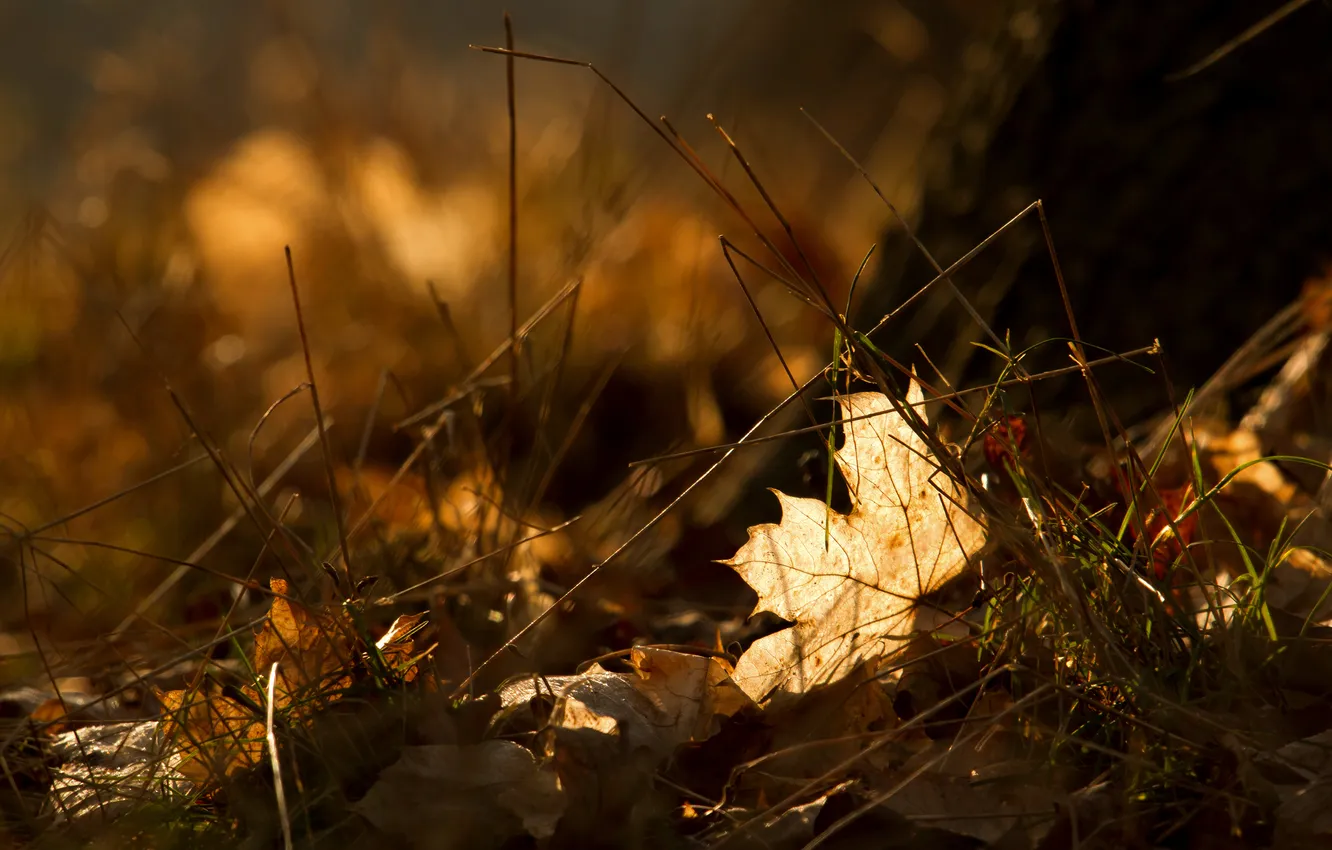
point(156, 157)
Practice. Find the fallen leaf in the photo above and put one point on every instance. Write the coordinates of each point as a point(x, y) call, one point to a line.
point(670, 699)
point(49, 717)
point(792, 828)
point(605, 734)
point(985, 811)
point(807, 739)
point(318, 656)
point(1008, 435)
point(851, 582)
point(395, 647)
point(688, 691)
point(214, 735)
point(1165, 538)
point(110, 769)
point(485, 793)
point(1265, 505)
point(1302, 771)
point(313, 650)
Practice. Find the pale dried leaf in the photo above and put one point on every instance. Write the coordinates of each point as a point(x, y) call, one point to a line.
point(852, 599)
point(672, 698)
point(111, 769)
point(397, 645)
point(689, 691)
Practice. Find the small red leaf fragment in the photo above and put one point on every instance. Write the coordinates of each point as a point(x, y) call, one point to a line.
point(1007, 434)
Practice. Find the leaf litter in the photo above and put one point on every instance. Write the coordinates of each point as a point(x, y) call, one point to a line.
point(857, 715)
point(857, 722)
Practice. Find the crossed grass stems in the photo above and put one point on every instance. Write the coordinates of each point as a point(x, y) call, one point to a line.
point(1088, 649)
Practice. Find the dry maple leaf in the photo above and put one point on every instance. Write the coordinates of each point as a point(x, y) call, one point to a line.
point(215, 735)
point(850, 582)
point(314, 650)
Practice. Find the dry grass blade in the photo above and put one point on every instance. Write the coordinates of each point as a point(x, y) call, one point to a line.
point(879, 799)
point(1262, 26)
point(347, 573)
point(624, 547)
point(202, 550)
point(686, 153)
point(994, 609)
point(758, 314)
point(815, 286)
point(950, 396)
point(511, 102)
point(841, 769)
point(250, 504)
point(902, 222)
point(279, 791)
point(465, 386)
point(478, 560)
point(103, 502)
point(1238, 367)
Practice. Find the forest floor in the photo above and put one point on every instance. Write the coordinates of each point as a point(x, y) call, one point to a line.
point(299, 552)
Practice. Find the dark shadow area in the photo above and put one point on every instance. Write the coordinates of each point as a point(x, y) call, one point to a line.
point(1189, 210)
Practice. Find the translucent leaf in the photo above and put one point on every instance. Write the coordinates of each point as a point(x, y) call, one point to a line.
point(850, 582)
